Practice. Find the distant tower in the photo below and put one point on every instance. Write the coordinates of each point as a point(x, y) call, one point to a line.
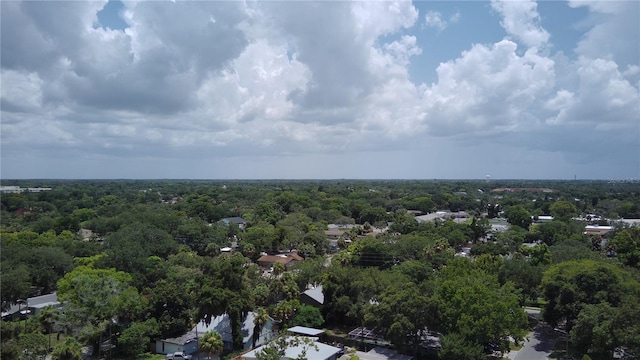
point(488, 177)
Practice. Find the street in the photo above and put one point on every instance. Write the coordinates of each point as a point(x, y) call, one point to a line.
point(538, 345)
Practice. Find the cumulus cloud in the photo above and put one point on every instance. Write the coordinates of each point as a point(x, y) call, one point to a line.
point(488, 89)
point(213, 80)
point(521, 20)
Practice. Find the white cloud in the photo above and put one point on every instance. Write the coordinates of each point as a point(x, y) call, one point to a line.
point(20, 91)
point(603, 97)
point(521, 20)
point(296, 79)
point(434, 19)
point(488, 89)
point(615, 33)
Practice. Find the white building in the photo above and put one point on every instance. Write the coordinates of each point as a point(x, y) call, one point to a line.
point(315, 351)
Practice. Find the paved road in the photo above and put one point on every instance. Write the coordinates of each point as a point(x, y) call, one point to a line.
point(539, 345)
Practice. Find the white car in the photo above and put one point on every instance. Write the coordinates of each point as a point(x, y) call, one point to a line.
point(178, 356)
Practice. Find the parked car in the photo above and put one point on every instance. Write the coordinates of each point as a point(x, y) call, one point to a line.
point(178, 356)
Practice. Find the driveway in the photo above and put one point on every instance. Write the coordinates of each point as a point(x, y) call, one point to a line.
point(538, 345)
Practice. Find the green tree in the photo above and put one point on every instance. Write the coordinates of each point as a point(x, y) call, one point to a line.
point(593, 332)
point(14, 284)
point(131, 246)
point(571, 285)
point(170, 304)
point(626, 244)
point(48, 318)
point(284, 311)
point(627, 326)
point(517, 215)
point(538, 255)
point(474, 305)
point(223, 289)
point(480, 228)
point(308, 316)
point(93, 297)
point(211, 343)
point(525, 277)
point(456, 347)
point(34, 345)
point(563, 210)
point(261, 317)
point(69, 349)
point(401, 314)
point(134, 339)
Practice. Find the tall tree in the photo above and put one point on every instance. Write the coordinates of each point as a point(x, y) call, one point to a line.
point(261, 317)
point(517, 215)
point(48, 318)
point(563, 210)
point(571, 285)
point(69, 349)
point(626, 244)
point(455, 346)
point(211, 343)
point(473, 304)
point(93, 297)
point(223, 289)
point(593, 333)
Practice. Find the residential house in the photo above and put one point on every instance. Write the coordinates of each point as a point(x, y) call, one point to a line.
point(242, 223)
point(542, 219)
point(378, 353)
point(440, 215)
point(305, 331)
point(315, 351)
point(597, 229)
point(312, 297)
point(336, 234)
point(32, 306)
point(188, 344)
point(285, 259)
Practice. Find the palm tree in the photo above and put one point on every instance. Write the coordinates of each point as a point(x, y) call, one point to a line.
point(70, 349)
point(278, 269)
point(211, 343)
point(48, 318)
point(260, 319)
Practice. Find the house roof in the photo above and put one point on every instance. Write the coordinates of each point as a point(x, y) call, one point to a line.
point(281, 258)
point(334, 232)
point(182, 339)
point(432, 216)
point(41, 301)
point(316, 294)
point(378, 353)
point(319, 351)
point(236, 220)
point(222, 324)
point(302, 330)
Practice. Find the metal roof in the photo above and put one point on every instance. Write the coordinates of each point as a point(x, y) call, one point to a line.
point(306, 330)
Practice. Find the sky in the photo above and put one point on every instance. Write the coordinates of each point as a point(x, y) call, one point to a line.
point(320, 90)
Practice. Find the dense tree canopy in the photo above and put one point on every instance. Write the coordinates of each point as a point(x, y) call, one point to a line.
point(148, 262)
